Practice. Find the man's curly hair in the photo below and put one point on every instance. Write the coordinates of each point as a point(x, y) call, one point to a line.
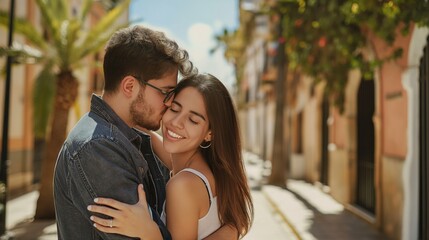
point(142, 52)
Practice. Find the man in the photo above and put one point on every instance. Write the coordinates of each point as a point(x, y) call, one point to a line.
point(103, 155)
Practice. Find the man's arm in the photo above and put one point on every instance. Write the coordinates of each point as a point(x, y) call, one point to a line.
point(105, 168)
point(226, 232)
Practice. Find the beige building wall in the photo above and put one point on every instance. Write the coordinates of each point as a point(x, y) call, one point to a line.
point(392, 197)
point(312, 136)
point(394, 124)
point(390, 123)
point(342, 150)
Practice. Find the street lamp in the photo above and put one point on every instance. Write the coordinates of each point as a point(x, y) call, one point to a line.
point(4, 148)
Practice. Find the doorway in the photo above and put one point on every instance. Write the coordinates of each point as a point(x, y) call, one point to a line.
point(365, 195)
point(325, 142)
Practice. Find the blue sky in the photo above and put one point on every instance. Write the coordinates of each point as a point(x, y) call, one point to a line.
point(193, 24)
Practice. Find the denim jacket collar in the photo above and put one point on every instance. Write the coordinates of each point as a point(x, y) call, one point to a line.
point(101, 108)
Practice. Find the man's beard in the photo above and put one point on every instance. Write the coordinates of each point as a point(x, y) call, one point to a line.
point(142, 118)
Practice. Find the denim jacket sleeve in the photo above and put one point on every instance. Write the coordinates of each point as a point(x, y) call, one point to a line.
point(105, 167)
point(162, 228)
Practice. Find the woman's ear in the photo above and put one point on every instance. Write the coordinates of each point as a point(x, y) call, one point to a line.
point(208, 137)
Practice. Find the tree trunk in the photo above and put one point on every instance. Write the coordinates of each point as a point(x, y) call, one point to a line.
point(280, 157)
point(65, 96)
point(38, 154)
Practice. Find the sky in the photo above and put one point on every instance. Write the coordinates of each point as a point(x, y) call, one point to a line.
point(193, 24)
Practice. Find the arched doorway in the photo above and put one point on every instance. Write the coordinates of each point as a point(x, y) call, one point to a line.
point(365, 190)
point(424, 144)
point(325, 141)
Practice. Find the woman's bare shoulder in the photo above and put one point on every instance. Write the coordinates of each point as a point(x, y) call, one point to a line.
point(184, 181)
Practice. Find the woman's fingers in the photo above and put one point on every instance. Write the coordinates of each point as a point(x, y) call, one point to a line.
point(142, 195)
point(109, 202)
point(102, 221)
point(127, 219)
point(106, 229)
point(103, 210)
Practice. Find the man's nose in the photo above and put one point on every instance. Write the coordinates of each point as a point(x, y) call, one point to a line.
point(168, 103)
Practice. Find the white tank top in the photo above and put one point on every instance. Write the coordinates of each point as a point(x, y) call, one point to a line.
point(210, 222)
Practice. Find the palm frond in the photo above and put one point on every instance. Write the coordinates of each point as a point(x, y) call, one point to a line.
point(86, 6)
point(24, 27)
point(50, 20)
point(60, 9)
point(73, 35)
point(68, 36)
point(43, 95)
point(105, 23)
point(95, 46)
point(22, 54)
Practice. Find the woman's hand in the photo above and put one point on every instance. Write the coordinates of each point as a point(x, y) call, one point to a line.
point(129, 220)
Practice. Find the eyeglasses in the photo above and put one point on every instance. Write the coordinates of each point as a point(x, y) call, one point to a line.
point(167, 94)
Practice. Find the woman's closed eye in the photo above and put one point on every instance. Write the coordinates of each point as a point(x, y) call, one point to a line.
point(173, 110)
point(193, 121)
point(175, 107)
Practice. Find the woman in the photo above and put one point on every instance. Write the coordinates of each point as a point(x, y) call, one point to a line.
point(208, 187)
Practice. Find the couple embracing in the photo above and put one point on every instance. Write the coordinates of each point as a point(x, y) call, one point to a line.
point(116, 178)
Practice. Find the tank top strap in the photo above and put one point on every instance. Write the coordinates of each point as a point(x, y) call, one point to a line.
point(204, 178)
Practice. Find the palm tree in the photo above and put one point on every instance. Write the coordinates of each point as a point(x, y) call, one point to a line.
point(68, 42)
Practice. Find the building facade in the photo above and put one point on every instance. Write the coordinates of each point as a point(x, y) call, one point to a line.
point(372, 157)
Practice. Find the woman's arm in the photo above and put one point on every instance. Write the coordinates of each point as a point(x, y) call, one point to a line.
point(129, 220)
point(182, 208)
point(135, 221)
point(226, 232)
point(158, 147)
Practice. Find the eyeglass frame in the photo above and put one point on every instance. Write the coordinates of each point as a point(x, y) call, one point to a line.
point(167, 94)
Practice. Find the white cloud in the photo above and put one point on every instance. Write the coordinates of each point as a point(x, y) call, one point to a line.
point(200, 34)
point(202, 39)
point(167, 32)
point(218, 25)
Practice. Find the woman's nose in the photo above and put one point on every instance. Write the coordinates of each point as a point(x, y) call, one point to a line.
point(177, 121)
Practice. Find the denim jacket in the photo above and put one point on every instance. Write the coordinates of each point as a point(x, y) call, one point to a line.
point(103, 157)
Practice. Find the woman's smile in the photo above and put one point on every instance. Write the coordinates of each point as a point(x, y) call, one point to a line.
point(173, 134)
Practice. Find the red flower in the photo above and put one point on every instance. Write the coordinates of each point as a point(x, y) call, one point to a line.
point(298, 23)
point(322, 42)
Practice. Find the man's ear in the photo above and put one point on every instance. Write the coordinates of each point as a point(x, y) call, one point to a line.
point(129, 86)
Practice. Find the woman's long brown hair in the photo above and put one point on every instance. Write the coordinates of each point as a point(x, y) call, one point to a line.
point(224, 155)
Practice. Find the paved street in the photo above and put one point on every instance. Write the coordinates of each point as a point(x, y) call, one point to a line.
point(268, 224)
